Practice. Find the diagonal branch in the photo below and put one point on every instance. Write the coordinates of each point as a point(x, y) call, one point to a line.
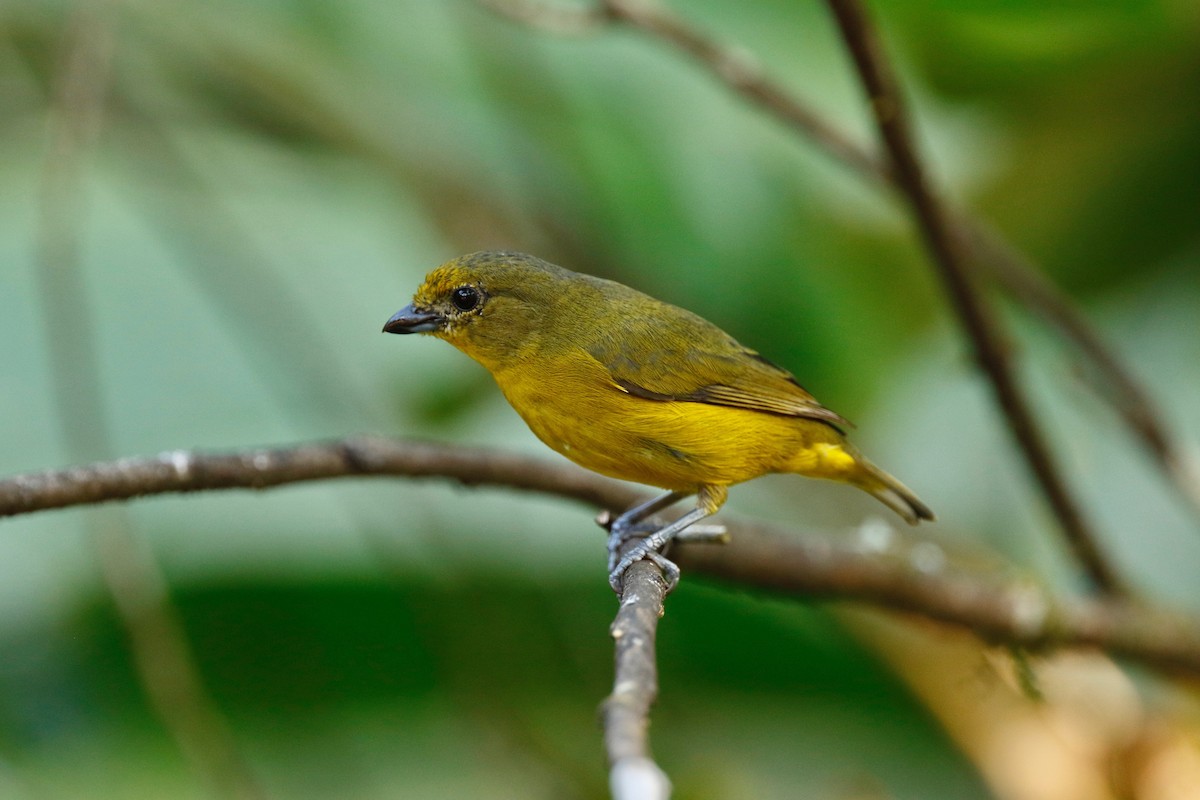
point(920, 577)
point(902, 573)
point(185, 471)
point(982, 325)
point(999, 259)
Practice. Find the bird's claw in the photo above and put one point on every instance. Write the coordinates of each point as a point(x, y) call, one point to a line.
point(620, 534)
point(638, 523)
point(616, 575)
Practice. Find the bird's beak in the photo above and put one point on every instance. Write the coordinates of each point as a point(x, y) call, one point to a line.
point(410, 320)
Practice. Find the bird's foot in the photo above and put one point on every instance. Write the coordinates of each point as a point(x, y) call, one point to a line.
point(620, 526)
point(620, 534)
point(616, 575)
point(633, 524)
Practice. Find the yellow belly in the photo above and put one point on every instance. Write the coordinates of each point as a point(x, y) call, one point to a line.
point(680, 446)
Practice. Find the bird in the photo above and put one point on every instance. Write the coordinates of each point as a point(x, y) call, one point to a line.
point(638, 389)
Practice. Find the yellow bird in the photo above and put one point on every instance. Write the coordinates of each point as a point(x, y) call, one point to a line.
point(637, 389)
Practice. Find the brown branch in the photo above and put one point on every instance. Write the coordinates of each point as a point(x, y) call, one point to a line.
point(633, 774)
point(920, 577)
point(1011, 269)
point(908, 574)
point(190, 471)
point(982, 325)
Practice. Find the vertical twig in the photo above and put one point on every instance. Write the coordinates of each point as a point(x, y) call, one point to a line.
point(160, 651)
point(982, 325)
point(633, 774)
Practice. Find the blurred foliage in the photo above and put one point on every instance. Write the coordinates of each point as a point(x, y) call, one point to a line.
point(271, 180)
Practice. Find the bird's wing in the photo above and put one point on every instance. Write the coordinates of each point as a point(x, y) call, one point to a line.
point(683, 357)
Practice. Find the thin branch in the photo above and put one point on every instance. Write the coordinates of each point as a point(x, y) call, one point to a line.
point(633, 774)
point(983, 326)
point(161, 655)
point(898, 573)
point(191, 471)
point(1003, 262)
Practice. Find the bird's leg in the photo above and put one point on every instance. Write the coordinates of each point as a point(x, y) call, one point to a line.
point(649, 547)
point(625, 527)
point(633, 522)
point(711, 498)
point(636, 514)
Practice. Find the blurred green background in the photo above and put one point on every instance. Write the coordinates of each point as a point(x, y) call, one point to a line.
point(269, 181)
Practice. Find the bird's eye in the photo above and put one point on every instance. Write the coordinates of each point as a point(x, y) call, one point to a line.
point(465, 298)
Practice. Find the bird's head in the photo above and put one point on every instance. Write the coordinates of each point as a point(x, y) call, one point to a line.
point(491, 305)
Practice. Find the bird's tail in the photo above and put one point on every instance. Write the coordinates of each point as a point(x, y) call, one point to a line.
point(891, 492)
